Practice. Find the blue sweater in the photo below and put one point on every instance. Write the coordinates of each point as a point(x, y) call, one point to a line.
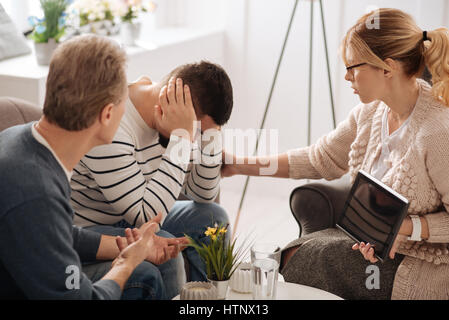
point(40, 250)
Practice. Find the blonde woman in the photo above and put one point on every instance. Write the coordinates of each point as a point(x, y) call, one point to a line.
point(400, 134)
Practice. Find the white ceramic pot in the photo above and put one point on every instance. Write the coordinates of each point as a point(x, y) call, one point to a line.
point(129, 32)
point(222, 288)
point(85, 29)
point(115, 29)
point(107, 24)
point(97, 26)
point(102, 32)
point(44, 51)
point(241, 278)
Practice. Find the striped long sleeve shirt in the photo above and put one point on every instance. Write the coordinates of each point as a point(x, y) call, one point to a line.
point(134, 178)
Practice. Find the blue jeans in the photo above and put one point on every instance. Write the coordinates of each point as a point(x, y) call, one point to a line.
point(165, 281)
point(148, 281)
point(145, 283)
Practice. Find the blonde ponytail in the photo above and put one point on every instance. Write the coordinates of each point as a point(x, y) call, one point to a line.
point(436, 57)
point(398, 37)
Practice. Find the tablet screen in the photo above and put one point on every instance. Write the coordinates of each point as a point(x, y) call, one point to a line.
point(373, 213)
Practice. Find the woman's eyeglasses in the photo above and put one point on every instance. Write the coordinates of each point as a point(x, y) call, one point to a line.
point(350, 69)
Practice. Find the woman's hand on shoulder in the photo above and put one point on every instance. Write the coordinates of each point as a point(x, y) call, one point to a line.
point(228, 166)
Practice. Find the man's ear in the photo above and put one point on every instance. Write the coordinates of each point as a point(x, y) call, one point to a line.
point(394, 67)
point(106, 114)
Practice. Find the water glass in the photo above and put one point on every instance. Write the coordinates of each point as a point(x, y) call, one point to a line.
point(265, 259)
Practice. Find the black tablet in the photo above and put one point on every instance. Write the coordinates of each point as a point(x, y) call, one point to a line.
point(373, 213)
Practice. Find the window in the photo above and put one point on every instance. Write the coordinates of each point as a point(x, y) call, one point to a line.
point(169, 13)
point(20, 10)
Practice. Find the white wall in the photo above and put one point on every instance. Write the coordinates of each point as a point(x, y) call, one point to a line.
point(255, 31)
point(191, 13)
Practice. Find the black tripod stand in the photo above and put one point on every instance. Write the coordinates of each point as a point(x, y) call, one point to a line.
point(309, 83)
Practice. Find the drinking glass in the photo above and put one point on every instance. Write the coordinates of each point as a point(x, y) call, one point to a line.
point(265, 259)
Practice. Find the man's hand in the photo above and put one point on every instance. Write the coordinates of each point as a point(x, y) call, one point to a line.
point(159, 250)
point(134, 249)
point(175, 113)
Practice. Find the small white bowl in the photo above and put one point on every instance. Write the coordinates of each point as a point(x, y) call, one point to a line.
point(198, 290)
point(241, 278)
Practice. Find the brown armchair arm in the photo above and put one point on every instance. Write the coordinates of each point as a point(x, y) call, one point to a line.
point(317, 206)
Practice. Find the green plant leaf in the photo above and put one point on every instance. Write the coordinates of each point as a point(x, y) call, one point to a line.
point(53, 10)
point(219, 255)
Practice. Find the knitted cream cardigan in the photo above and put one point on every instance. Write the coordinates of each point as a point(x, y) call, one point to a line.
point(419, 170)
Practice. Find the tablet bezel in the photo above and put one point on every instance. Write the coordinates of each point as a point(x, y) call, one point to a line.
point(387, 190)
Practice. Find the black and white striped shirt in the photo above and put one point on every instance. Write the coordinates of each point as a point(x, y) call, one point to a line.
point(134, 178)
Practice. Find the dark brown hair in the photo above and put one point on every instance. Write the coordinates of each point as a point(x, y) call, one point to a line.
point(210, 87)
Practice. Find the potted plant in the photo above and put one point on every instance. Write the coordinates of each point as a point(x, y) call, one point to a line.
point(130, 28)
point(48, 31)
point(220, 257)
point(111, 11)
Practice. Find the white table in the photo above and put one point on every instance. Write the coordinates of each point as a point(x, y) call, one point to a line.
point(287, 291)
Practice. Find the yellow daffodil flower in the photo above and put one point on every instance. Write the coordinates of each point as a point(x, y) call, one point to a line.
point(210, 231)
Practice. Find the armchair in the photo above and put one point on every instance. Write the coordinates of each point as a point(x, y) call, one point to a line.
point(15, 111)
point(318, 205)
